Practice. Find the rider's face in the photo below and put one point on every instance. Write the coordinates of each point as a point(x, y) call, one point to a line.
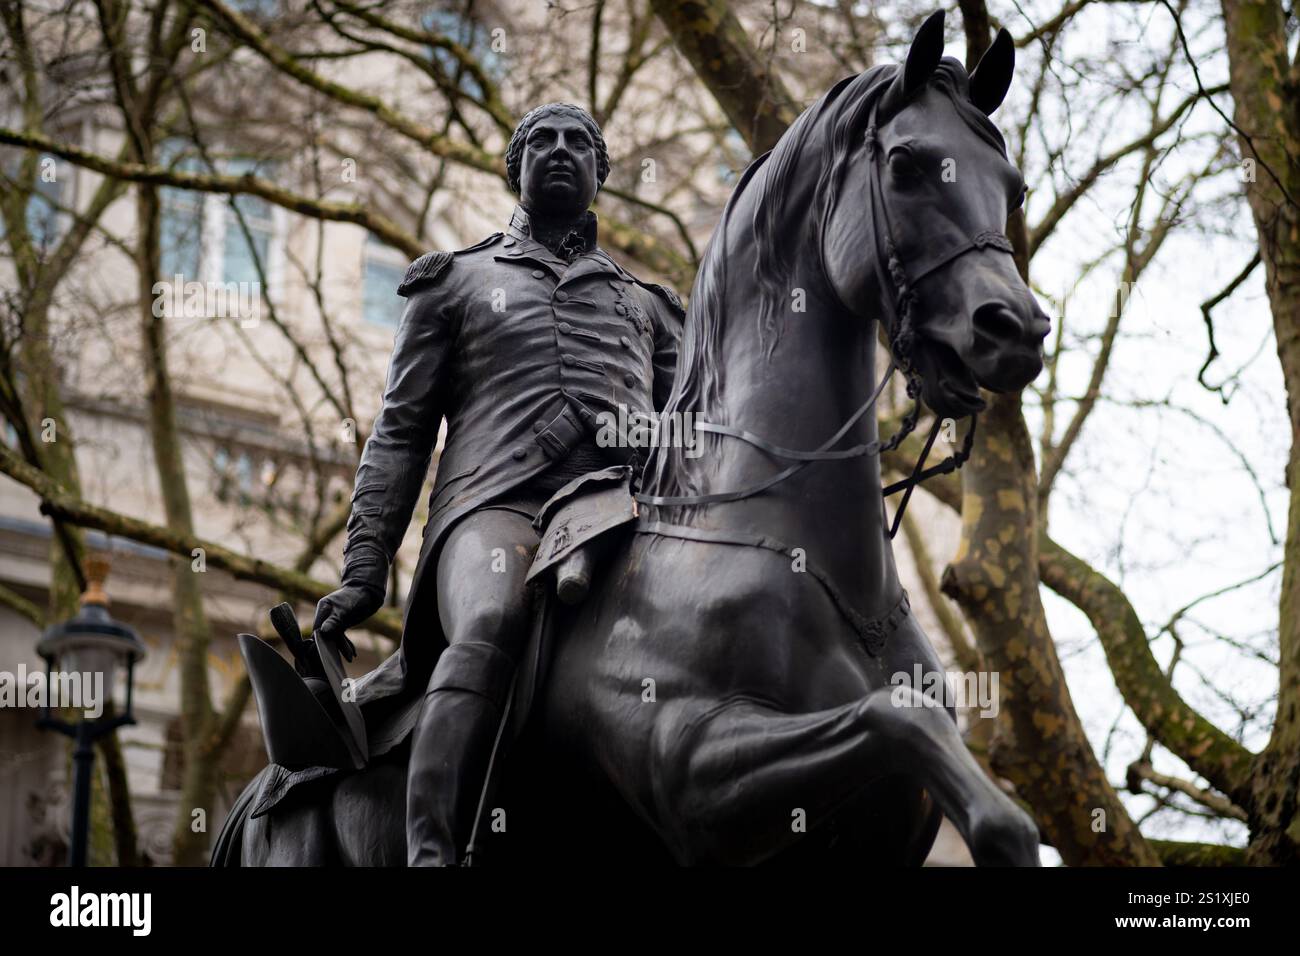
point(557, 175)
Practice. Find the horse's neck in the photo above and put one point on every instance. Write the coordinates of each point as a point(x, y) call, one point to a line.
point(820, 373)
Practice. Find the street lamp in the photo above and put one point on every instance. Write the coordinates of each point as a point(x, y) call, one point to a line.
point(90, 644)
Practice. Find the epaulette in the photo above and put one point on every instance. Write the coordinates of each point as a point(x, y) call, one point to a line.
point(425, 271)
point(664, 292)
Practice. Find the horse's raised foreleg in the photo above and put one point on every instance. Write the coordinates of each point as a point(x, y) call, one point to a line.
point(728, 778)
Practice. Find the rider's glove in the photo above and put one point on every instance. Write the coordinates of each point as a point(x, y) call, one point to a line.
point(365, 580)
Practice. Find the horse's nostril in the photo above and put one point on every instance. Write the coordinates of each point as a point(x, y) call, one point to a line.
point(996, 324)
point(1008, 349)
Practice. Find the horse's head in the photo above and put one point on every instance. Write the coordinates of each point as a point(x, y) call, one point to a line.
point(932, 170)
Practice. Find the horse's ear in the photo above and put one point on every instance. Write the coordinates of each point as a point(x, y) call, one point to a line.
point(991, 77)
point(924, 54)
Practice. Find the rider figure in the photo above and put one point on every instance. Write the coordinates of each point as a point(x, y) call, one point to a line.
point(520, 341)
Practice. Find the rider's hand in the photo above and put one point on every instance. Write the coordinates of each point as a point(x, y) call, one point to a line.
point(345, 608)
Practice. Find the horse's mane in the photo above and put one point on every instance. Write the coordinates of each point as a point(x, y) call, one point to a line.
point(824, 138)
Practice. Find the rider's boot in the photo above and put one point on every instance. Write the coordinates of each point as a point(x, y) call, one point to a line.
point(450, 750)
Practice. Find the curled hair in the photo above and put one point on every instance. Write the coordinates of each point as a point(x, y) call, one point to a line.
point(515, 151)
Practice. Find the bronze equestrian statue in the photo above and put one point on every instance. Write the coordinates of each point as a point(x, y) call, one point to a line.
point(723, 692)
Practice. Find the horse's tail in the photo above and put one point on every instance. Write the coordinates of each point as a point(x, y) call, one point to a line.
point(225, 852)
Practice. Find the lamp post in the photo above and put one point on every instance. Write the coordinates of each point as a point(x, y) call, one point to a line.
point(75, 651)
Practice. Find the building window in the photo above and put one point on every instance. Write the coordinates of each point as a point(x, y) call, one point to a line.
point(47, 196)
point(232, 472)
point(474, 37)
point(241, 252)
point(257, 8)
point(246, 476)
point(383, 271)
point(200, 236)
point(44, 213)
point(180, 224)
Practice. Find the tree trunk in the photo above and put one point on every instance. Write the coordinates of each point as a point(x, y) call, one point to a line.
point(190, 625)
point(1264, 85)
point(1039, 744)
point(713, 41)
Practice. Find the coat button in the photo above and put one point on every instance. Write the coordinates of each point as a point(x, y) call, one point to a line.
point(519, 454)
point(561, 296)
point(625, 342)
point(629, 380)
point(567, 359)
point(539, 274)
point(537, 426)
point(565, 327)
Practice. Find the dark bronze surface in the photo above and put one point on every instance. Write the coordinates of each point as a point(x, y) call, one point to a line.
point(725, 692)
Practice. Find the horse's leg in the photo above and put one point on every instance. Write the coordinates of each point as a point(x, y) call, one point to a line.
point(727, 779)
point(358, 821)
point(298, 835)
point(369, 816)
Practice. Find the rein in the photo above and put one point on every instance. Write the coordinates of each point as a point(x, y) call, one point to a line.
point(901, 337)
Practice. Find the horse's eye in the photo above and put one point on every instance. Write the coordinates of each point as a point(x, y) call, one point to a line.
point(902, 163)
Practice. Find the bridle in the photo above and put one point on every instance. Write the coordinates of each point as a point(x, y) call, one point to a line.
point(893, 275)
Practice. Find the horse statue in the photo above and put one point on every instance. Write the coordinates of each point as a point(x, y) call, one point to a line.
point(726, 693)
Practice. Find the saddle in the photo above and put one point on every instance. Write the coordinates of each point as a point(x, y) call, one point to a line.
point(311, 726)
point(583, 510)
